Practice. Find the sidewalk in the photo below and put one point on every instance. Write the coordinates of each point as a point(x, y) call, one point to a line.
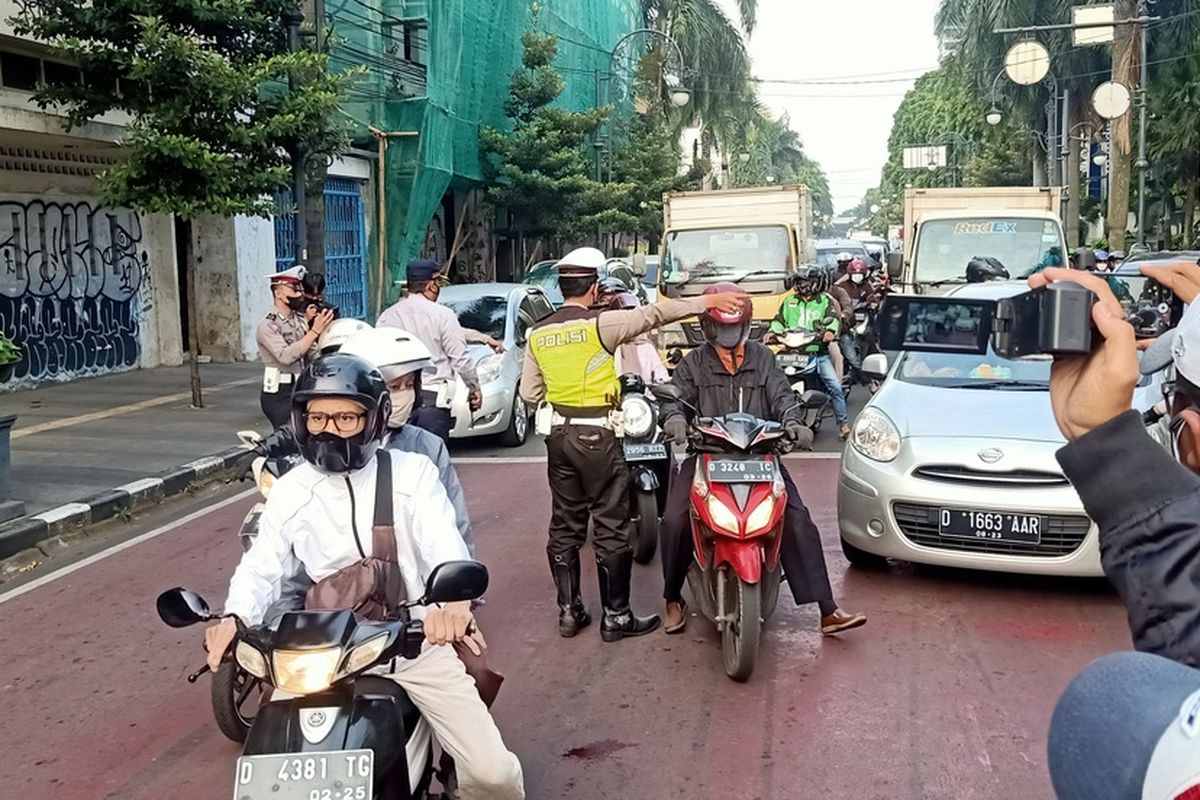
point(78, 439)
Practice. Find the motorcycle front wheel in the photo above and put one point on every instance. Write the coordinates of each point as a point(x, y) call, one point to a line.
point(645, 532)
point(236, 696)
point(743, 628)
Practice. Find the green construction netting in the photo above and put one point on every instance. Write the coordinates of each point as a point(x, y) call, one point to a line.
point(471, 48)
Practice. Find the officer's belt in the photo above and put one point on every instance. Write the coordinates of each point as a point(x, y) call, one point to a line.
point(286, 377)
point(592, 422)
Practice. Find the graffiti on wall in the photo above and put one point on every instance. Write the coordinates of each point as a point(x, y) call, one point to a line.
point(74, 287)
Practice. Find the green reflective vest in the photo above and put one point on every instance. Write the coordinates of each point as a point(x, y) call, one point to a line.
point(580, 374)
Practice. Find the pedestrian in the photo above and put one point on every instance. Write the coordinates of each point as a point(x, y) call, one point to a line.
point(436, 326)
point(569, 363)
point(287, 341)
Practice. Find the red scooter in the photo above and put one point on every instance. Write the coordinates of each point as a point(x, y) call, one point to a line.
point(738, 502)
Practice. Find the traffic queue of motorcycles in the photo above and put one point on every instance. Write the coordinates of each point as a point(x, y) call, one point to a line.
point(344, 734)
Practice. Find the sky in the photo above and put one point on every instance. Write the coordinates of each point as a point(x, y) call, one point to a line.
point(844, 127)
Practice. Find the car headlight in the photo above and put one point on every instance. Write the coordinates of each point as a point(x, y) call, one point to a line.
point(637, 415)
point(760, 517)
point(251, 659)
point(875, 436)
point(489, 368)
point(673, 335)
point(365, 654)
point(306, 671)
point(722, 517)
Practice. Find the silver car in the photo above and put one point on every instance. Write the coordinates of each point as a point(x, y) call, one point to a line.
point(952, 463)
point(503, 311)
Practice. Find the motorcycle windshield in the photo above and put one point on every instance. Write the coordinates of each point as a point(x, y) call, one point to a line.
point(739, 431)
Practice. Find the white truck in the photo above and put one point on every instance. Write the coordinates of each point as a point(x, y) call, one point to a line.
point(944, 229)
point(753, 237)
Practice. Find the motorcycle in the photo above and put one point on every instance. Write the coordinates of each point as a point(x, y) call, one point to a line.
point(649, 462)
point(235, 694)
point(795, 356)
point(738, 500)
point(341, 734)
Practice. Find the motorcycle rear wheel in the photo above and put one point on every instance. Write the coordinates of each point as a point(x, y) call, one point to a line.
point(645, 532)
point(743, 630)
point(235, 695)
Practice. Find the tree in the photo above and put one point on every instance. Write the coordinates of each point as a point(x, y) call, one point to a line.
point(1174, 133)
point(538, 171)
point(647, 161)
point(202, 82)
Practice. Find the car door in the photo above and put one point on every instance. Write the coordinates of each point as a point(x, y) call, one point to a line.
point(527, 306)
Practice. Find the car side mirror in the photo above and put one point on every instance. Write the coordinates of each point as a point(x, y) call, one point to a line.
point(181, 607)
point(895, 264)
point(454, 581)
point(875, 366)
point(666, 392)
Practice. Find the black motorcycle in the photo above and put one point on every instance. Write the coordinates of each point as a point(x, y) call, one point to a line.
point(343, 735)
point(650, 464)
point(797, 354)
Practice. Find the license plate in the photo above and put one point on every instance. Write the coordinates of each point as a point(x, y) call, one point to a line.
point(758, 470)
point(336, 775)
point(991, 525)
point(644, 451)
point(793, 360)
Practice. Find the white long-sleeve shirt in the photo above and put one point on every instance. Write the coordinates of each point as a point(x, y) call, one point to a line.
point(306, 522)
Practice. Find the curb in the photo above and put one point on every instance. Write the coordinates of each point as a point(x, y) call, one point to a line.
point(26, 532)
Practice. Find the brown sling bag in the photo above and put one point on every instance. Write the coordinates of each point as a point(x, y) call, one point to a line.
point(372, 588)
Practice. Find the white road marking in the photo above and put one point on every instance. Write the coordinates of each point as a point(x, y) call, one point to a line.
point(117, 548)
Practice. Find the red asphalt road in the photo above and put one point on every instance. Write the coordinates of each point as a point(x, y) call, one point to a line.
point(947, 692)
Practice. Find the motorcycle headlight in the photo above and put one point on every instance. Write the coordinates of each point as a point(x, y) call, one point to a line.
point(673, 336)
point(251, 659)
point(760, 517)
point(875, 436)
point(306, 671)
point(365, 654)
point(489, 368)
point(722, 517)
point(638, 416)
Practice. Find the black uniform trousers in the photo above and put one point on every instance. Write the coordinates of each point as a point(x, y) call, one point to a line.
point(277, 405)
point(801, 553)
point(588, 479)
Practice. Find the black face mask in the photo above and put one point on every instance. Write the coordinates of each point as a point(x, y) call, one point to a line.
point(730, 336)
point(334, 454)
point(297, 303)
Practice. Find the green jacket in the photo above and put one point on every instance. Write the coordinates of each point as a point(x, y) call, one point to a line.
point(796, 313)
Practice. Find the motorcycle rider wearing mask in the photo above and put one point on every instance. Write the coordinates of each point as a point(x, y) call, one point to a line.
point(811, 308)
point(315, 519)
point(857, 285)
point(287, 339)
point(725, 375)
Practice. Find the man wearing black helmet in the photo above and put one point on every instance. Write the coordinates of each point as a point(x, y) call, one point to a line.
point(319, 518)
point(727, 374)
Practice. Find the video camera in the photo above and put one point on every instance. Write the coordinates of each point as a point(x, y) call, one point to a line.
point(1051, 321)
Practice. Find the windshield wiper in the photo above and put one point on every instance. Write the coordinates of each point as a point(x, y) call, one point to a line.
point(944, 282)
point(758, 272)
point(1000, 384)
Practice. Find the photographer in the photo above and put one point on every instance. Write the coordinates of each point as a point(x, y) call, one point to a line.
point(1129, 725)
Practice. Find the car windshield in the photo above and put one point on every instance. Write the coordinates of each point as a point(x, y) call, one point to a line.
point(973, 371)
point(543, 275)
point(725, 253)
point(828, 258)
point(484, 314)
point(1022, 246)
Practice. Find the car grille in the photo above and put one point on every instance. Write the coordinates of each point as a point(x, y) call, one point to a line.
point(952, 473)
point(695, 336)
point(1063, 534)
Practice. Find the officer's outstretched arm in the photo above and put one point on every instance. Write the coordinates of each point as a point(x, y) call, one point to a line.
point(618, 327)
point(533, 385)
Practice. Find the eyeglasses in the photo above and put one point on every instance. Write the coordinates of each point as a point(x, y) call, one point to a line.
point(343, 421)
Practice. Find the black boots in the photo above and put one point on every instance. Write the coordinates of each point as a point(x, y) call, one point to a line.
point(572, 615)
point(618, 622)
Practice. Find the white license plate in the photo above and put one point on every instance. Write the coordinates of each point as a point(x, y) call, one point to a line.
point(645, 451)
point(336, 775)
point(793, 360)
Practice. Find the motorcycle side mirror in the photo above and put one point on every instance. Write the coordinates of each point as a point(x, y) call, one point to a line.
point(875, 366)
point(895, 264)
point(454, 581)
point(813, 399)
point(181, 607)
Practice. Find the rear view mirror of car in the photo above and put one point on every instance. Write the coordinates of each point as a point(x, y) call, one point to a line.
point(875, 366)
point(895, 264)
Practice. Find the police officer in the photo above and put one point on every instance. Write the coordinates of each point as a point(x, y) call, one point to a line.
point(287, 339)
point(569, 364)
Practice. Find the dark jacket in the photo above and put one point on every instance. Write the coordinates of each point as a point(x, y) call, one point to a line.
point(1147, 507)
point(760, 385)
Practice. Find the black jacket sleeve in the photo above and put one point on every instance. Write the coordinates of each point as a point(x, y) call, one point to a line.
point(780, 396)
point(684, 379)
point(1147, 507)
